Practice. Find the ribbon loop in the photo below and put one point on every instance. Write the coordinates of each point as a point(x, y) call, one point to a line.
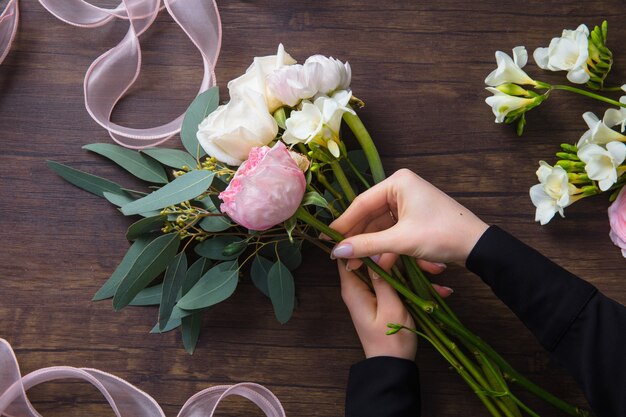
point(8, 27)
point(112, 74)
point(125, 399)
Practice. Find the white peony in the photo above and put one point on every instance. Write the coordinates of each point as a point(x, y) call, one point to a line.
point(510, 70)
point(552, 194)
point(319, 122)
point(598, 133)
point(502, 103)
point(233, 129)
point(334, 74)
point(255, 77)
point(601, 164)
point(567, 53)
point(293, 83)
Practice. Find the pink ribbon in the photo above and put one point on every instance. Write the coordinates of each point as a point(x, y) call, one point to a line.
point(8, 27)
point(111, 75)
point(125, 399)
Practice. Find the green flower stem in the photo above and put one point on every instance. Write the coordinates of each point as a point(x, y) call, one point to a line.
point(365, 140)
point(439, 347)
point(580, 91)
point(357, 173)
point(342, 180)
point(324, 181)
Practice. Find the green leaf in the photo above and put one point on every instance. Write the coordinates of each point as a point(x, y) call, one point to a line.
point(121, 199)
point(143, 226)
point(171, 325)
point(199, 109)
point(183, 188)
point(109, 287)
point(215, 286)
point(214, 248)
point(87, 182)
point(282, 291)
point(132, 161)
point(172, 157)
point(215, 223)
point(194, 273)
point(172, 284)
point(191, 331)
point(149, 263)
point(314, 198)
point(148, 296)
point(259, 271)
point(288, 253)
point(289, 225)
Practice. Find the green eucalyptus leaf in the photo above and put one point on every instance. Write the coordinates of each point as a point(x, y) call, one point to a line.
point(198, 110)
point(259, 271)
point(149, 263)
point(282, 291)
point(143, 226)
point(174, 158)
point(171, 325)
point(109, 287)
point(314, 198)
point(215, 286)
point(215, 223)
point(121, 199)
point(183, 188)
point(288, 253)
point(289, 225)
point(87, 182)
point(194, 273)
point(132, 161)
point(148, 296)
point(191, 331)
point(172, 284)
point(214, 248)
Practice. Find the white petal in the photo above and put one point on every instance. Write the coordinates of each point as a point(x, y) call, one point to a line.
point(591, 119)
point(589, 151)
point(520, 56)
point(617, 151)
point(613, 117)
point(606, 183)
point(541, 57)
point(578, 76)
point(333, 148)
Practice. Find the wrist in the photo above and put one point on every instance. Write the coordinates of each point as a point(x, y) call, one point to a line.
point(471, 236)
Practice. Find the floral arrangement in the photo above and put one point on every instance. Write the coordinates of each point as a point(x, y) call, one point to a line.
point(595, 164)
point(263, 175)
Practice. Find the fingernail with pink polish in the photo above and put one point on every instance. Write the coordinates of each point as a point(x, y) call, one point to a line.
point(343, 250)
point(440, 265)
point(375, 258)
point(450, 290)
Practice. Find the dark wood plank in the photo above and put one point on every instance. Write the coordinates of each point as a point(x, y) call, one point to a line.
point(419, 66)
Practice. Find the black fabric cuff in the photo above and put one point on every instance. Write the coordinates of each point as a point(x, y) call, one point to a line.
point(383, 386)
point(546, 297)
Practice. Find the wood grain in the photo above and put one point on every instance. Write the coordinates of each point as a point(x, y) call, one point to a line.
point(419, 66)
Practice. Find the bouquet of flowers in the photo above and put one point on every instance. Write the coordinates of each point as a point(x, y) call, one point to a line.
point(262, 175)
point(595, 164)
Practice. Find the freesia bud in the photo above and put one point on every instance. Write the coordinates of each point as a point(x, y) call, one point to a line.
point(513, 90)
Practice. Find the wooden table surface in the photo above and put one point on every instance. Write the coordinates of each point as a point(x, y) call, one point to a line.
point(419, 66)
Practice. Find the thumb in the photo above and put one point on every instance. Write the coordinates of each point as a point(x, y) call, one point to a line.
point(370, 244)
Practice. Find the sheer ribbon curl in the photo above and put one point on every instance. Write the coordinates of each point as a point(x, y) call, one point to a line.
point(125, 399)
point(8, 27)
point(111, 75)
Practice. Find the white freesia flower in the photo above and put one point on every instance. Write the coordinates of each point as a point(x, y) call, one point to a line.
point(567, 53)
point(614, 117)
point(552, 194)
point(599, 133)
point(601, 164)
point(502, 103)
point(319, 122)
point(255, 77)
point(233, 129)
point(293, 83)
point(334, 75)
point(510, 70)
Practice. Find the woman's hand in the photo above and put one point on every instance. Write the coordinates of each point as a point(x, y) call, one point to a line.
point(430, 226)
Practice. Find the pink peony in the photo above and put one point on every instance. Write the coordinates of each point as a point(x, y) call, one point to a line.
point(617, 218)
point(266, 190)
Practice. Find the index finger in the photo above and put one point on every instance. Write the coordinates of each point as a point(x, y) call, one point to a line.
point(370, 204)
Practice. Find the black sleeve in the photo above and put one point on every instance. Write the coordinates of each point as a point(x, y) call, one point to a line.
point(383, 387)
point(585, 330)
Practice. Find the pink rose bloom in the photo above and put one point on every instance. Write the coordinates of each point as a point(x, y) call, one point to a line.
point(617, 218)
point(266, 190)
